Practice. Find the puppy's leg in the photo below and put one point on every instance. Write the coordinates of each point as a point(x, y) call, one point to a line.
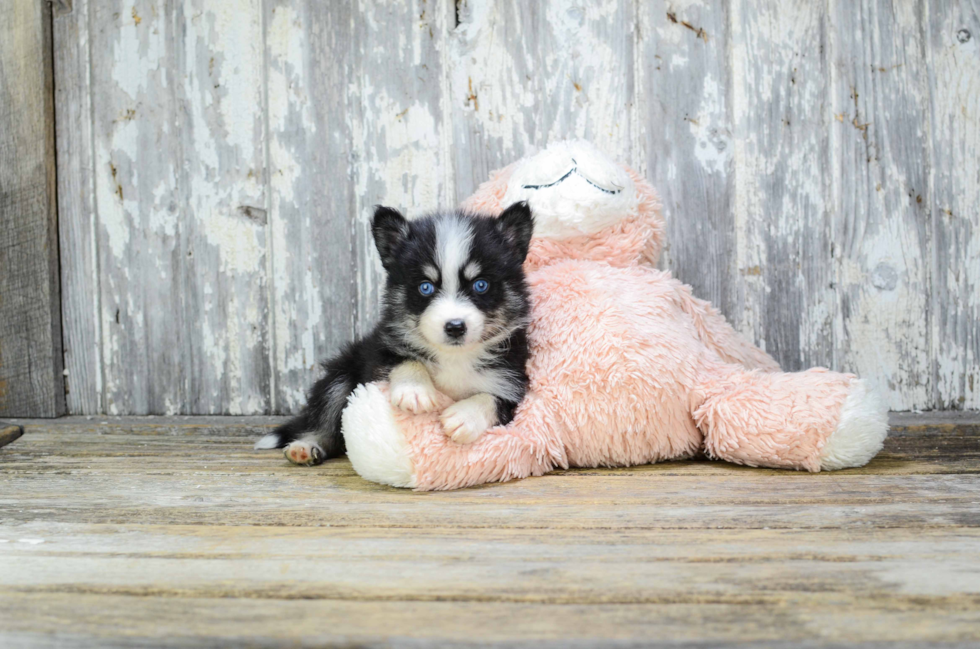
point(305, 451)
point(465, 421)
point(411, 388)
point(314, 435)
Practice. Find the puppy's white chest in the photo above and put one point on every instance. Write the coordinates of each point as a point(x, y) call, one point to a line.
point(459, 378)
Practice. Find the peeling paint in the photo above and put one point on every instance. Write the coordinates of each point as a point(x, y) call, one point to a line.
point(819, 175)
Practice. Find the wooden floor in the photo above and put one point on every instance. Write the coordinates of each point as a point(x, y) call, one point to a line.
point(156, 531)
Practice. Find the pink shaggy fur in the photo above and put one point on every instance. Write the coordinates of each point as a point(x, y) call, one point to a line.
point(627, 368)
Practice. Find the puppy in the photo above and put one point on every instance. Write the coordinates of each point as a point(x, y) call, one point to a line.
point(454, 320)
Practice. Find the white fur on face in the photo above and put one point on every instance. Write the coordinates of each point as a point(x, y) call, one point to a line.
point(454, 240)
point(472, 271)
point(445, 308)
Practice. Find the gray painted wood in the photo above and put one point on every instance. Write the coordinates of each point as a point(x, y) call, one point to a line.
point(31, 380)
point(780, 88)
point(220, 164)
point(137, 167)
point(221, 203)
point(953, 41)
point(400, 124)
point(687, 135)
point(881, 192)
point(313, 287)
point(78, 229)
point(525, 74)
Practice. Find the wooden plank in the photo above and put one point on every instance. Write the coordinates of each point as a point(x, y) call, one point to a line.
point(312, 207)
point(77, 217)
point(529, 566)
point(400, 125)
point(932, 443)
point(169, 530)
point(953, 42)
point(9, 433)
point(137, 172)
point(780, 77)
point(189, 474)
point(31, 364)
point(524, 75)
point(881, 197)
point(552, 502)
point(223, 215)
point(686, 127)
point(180, 150)
point(812, 621)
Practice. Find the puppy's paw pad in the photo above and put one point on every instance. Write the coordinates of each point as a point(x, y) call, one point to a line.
point(414, 398)
point(304, 453)
point(464, 422)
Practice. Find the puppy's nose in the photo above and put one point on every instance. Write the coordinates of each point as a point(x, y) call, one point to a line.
point(455, 329)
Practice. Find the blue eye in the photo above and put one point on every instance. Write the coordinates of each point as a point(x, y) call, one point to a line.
point(427, 288)
point(481, 286)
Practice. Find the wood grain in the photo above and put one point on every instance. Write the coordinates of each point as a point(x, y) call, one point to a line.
point(953, 42)
point(220, 195)
point(780, 76)
point(171, 532)
point(137, 173)
point(77, 213)
point(881, 191)
point(687, 133)
point(400, 125)
point(31, 364)
point(313, 287)
point(817, 164)
point(524, 75)
point(9, 433)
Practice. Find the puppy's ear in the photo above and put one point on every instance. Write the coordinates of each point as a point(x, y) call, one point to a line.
point(390, 229)
point(517, 226)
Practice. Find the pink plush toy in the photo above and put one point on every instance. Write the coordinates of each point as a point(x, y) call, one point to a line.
point(627, 367)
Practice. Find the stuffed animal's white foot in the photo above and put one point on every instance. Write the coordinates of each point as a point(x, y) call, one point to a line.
point(465, 421)
point(375, 445)
point(860, 433)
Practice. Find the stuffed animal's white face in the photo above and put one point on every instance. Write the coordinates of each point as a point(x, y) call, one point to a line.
point(573, 189)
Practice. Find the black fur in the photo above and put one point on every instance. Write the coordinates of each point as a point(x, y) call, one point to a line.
point(499, 246)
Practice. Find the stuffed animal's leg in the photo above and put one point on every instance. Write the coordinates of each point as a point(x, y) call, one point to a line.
point(814, 420)
point(719, 336)
point(402, 449)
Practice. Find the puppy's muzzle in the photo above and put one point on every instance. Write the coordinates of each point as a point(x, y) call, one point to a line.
point(455, 330)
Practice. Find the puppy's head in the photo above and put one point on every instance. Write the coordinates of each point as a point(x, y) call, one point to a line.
point(455, 280)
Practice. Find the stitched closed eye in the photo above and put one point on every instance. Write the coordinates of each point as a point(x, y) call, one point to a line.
point(575, 170)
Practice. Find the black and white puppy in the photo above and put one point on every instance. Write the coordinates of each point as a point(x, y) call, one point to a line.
point(454, 319)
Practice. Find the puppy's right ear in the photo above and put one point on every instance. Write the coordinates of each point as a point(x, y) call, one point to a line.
point(390, 229)
point(517, 225)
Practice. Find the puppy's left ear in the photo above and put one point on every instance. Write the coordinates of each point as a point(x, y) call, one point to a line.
point(517, 226)
point(390, 229)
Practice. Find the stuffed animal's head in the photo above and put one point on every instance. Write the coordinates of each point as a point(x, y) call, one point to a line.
point(585, 206)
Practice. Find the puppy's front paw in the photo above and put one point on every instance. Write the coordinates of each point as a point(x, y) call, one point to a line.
point(304, 453)
point(414, 397)
point(465, 421)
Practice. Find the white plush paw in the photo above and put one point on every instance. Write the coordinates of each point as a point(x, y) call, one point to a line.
point(860, 433)
point(414, 397)
point(304, 452)
point(465, 421)
point(375, 446)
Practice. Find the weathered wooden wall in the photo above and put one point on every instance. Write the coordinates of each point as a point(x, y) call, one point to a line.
point(31, 381)
point(819, 163)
